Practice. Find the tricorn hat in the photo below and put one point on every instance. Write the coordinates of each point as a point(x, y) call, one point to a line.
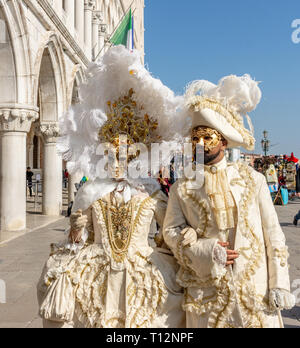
point(223, 106)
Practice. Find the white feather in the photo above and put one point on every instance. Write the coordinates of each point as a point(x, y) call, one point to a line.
point(109, 79)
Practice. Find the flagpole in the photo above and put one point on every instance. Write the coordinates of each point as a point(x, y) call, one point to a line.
point(116, 28)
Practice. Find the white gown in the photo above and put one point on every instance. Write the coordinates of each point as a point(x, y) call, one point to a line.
point(117, 280)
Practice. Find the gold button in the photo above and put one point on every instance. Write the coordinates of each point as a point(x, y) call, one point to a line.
point(213, 169)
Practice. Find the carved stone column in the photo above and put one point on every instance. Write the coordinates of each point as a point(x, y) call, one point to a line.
point(52, 171)
point(79, 13)
point(70, 11)
point(97, 19)
point(89, 6)
point(101, 39)
point(30, 149)
point(15, 123)
point(73, 179)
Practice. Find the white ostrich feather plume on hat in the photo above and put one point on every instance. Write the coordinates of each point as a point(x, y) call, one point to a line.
point(118, 71)
point(240, 93)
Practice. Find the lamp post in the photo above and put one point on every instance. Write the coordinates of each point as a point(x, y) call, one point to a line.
point(265, 143)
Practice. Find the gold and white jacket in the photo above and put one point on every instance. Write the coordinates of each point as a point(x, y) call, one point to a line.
point(233, 296)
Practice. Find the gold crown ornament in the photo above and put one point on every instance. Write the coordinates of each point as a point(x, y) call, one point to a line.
point(126, 118)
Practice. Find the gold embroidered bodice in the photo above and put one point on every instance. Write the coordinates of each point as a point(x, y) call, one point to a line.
point(119, 222)
point(122, 228)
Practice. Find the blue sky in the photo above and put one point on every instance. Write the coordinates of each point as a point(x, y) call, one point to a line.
point(196, 39)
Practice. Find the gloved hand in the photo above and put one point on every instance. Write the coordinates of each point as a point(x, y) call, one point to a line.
point(281, 299)
point(190, 237)
point(78, 223)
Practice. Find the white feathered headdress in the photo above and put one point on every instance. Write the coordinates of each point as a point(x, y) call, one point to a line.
point(111, 79)
point(223, 106)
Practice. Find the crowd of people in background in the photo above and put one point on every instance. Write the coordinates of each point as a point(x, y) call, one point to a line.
point(281, 172)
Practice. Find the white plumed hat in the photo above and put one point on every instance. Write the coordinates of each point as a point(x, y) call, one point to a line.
point(223, 106)
point(112, 77)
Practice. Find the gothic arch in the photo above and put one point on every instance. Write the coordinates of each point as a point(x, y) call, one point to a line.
point(77, 78)
point(51, 50)
point(17, 31)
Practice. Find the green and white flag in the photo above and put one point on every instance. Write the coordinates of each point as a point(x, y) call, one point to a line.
point(124, 33)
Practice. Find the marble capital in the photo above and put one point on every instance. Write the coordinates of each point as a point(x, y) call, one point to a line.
point(97, 17)
point(102, 29)
point(89, 5)
point(49, 132)
point(17, 119)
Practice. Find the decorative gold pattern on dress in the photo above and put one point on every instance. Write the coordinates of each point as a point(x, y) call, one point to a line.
point(89, 272)
point(235, 120)
point(119, 227)
point(146, 293)
point(91, 313)
point(115, 322)
point(119, 240)
point(143, 205)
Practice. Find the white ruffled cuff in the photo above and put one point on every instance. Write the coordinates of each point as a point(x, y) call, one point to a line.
point(281, 299)
point(75, 247)
point(220, 260)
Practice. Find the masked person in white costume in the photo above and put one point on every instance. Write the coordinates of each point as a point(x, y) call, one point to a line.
point(224, 231)
point(113, 272)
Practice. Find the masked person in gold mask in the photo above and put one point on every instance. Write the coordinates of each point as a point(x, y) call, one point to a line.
point(225, 231)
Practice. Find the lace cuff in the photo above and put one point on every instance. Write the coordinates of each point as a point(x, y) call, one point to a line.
point(281, 299)
point(74, 247)
point(220, 259)
point(220, 255)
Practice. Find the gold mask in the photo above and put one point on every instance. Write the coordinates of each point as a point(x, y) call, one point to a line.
point(208, 137)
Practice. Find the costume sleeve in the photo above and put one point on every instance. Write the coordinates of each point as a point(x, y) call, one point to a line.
point(198, 258)
point(275, 241)
point(160, 208)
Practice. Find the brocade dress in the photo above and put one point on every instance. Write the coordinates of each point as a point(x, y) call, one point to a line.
point(119, 278)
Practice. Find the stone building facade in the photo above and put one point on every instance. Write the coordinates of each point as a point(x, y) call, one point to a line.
point(45, 48)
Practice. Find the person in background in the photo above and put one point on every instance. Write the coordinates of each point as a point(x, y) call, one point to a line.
point(29, 175)
point(66, 177)
point(164, 184)
point(296, 218)
point(298, 180)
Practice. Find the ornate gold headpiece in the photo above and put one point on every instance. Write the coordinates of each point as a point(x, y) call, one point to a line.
point(125, 117)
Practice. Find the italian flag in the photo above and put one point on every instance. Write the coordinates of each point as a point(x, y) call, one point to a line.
point(124, 33)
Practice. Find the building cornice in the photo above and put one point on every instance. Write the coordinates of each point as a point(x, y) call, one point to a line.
point(70, 43)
